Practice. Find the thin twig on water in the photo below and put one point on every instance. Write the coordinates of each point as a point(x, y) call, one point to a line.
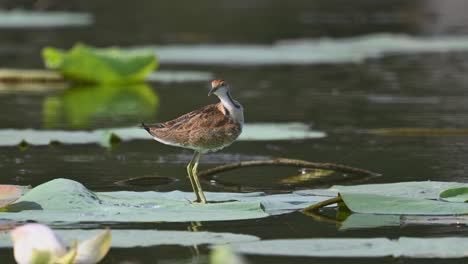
point(321, 204)
point(287, 163)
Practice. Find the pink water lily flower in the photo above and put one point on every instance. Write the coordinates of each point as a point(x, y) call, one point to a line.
point(36, 243)
point(30, 237)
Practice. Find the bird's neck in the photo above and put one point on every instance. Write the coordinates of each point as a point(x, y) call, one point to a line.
point(232, 106)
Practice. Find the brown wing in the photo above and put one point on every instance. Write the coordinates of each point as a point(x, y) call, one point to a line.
point(205, 127)
point(201, 113)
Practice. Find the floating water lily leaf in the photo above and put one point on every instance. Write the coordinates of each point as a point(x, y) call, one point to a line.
point(419, 132)
point(69, 201)
point(415, 189)
point(379, 204)
point(180, 76)
point(35, 80)
point(101, 65)
point(376, 205)
point(8, 194)
point(62, 200)
point(127, 238)
point(309, 51)
point(448, 247)
point(40, 19)
point(433, 220)
point(455, 195)
point(12, 137)
point(360, 221)
point(83, 106)
point(288, 131)
point(21, 75)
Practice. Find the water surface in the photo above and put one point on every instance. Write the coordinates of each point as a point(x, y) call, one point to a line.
point(345, 100)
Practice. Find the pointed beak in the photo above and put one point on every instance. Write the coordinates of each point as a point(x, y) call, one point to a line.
point(211, 91)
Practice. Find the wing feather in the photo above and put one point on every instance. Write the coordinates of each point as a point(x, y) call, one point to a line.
point(207, 127)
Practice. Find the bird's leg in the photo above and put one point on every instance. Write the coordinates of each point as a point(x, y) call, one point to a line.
point(200, 195)
point(189, 172)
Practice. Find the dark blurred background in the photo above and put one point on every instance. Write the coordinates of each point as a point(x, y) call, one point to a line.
point(397, 86)
point(262, 21)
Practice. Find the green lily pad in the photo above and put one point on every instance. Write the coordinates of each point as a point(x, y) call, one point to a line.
point(69, 201)
point(64, 200)
point(408, 247)
point(40, 19)
point(101, 65)
point(257, 132)
point(415, 189)
point(434, 220)
point(274, 131)
point(459, 195)
point(362, 221)
point(395, 204)
point(310, 51)
point(127, 238)
point(380, 204)
point(83, 106)
point(180, 76)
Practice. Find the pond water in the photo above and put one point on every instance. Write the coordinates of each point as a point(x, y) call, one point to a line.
point(345, 100)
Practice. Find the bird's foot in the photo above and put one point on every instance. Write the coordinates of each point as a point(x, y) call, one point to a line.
point(199, 201)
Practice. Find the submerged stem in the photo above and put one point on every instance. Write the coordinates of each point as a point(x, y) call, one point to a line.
point(287, 163)
point(321, 204)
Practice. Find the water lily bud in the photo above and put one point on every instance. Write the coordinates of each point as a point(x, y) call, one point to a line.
point(35, 237)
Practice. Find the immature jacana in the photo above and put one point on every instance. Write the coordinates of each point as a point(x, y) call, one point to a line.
point(207, 129)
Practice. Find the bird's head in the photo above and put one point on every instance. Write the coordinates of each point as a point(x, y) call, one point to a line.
point(217, 87)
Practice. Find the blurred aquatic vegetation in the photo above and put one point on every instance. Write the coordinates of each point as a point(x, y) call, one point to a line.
point(30, 81)
point(43, 19)
point(325, 50)
point(38, 80)
point(87, 64)
point(29, 76)
point(103, 136)
point(80, 107)
point(419, 132)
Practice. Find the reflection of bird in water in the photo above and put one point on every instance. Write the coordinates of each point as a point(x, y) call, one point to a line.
point(207, 129)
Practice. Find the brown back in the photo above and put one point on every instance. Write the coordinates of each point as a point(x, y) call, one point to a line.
point(208, 128)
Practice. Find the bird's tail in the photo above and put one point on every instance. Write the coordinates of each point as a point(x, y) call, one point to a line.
point(145, 127)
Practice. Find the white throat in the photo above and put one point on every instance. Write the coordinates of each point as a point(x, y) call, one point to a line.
point(236, 111)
